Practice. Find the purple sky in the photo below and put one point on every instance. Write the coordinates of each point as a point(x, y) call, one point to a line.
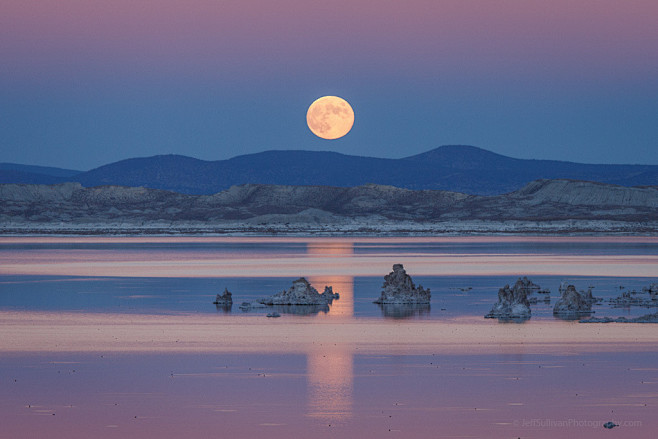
point(87, 82)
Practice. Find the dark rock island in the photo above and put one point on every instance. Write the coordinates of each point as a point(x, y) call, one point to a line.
point(301, 293)
point(513, 302)
point(398, 288)
point(573, 304)
point(225, 299)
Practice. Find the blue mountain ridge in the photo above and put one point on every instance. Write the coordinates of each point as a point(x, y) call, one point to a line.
point(30, 174)
point(458, 168)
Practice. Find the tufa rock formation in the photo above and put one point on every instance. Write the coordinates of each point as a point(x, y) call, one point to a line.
point(513, 302)
point(225, 299)
point(531, 288)
point(528, 285)
point(398, 288)
point(572, 304)
point(301, 293)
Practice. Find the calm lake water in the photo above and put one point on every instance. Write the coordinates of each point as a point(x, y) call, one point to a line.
point(118, 337)
point(171, 276)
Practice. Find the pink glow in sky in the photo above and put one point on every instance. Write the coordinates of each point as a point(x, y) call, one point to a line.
point(537, 36)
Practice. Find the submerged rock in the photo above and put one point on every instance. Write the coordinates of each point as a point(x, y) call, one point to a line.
point(634, 298)
point(536, 300)
point(652, 290)
point(648, 318)
point(301, 293)
point(513, 302)
point(300, 310)
point(398, 288)
point(248, 306)
point(628, 299)
point(572, 305)
point(225, 299)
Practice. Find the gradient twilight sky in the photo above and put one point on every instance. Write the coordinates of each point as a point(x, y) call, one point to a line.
point(88, 82)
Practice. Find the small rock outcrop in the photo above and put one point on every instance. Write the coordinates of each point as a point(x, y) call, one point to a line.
point(572, 304)
point(398, 288)
point(225, 299)
point(632, 298)
point(648, 318)
point(329, 294)
point(250, 306)
point(647, 298)
point(513, 302)
point(301, 293)
point(652, 290)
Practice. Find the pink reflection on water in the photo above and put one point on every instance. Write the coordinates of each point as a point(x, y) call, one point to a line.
point(343, 285)
point(330, 382)
point(195, 374)
point(325, 257)
point(104, 263)
point(515, 394)
point(34, 332)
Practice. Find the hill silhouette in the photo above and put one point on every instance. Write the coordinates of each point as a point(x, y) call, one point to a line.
point(457, 168)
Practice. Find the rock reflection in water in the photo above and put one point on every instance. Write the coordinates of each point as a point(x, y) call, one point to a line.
point(404, 310)
point(299, 310)
point(226, 309)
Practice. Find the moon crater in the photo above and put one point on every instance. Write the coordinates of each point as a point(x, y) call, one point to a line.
point(330, 117)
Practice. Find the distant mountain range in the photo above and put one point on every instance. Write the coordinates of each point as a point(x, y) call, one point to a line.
point(457, 168)
point(27, 174)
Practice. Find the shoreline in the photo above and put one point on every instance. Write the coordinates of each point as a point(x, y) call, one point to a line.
point(357, 229)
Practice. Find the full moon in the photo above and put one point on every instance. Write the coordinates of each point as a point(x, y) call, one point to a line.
point(330, 117)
